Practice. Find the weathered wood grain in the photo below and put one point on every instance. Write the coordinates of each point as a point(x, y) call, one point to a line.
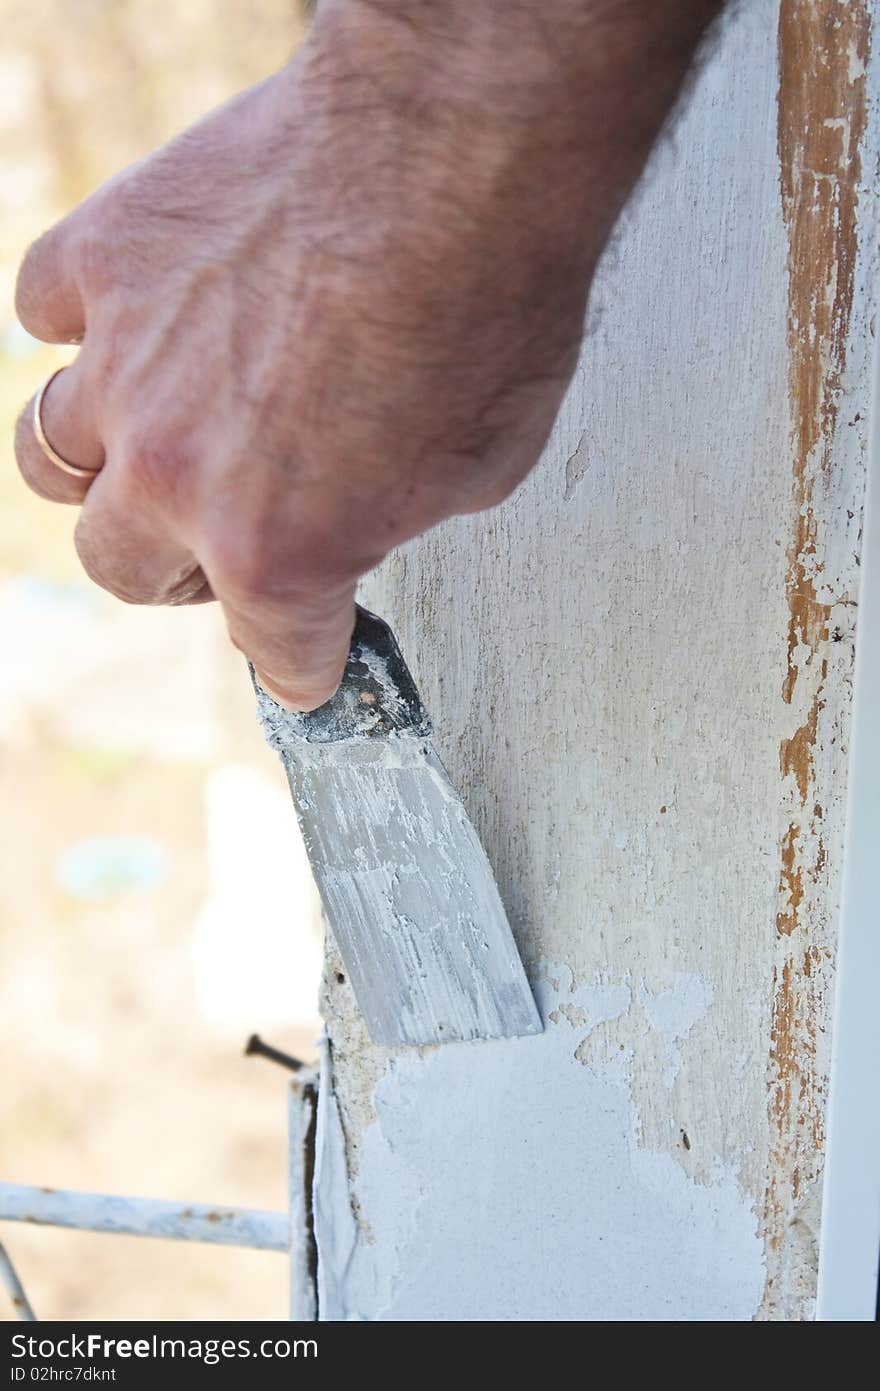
point(822, 114)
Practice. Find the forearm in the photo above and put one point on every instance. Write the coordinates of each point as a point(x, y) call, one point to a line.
point(558, 102)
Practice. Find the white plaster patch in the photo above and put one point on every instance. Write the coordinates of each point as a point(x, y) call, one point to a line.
point(497, 1183)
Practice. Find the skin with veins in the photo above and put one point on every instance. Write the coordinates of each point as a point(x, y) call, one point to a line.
point(343, 307)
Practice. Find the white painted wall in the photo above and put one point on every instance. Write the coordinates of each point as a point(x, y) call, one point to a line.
point(639, 670)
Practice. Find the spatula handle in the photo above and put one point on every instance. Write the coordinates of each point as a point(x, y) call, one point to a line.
point(377, 696)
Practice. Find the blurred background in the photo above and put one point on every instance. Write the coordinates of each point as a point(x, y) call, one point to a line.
point(155, 905)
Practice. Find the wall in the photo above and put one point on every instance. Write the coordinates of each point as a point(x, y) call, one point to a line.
point(640, 674)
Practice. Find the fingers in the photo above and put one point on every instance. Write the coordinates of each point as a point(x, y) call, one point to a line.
point(47, 300)
point(127, 548)
point(123, 545)
point(299, 650)
point(68, 418)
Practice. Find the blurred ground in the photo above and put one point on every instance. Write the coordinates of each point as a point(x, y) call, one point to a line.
point(155, 907)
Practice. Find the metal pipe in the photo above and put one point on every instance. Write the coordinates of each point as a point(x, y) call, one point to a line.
point(103, 1212)
point(9, 1276)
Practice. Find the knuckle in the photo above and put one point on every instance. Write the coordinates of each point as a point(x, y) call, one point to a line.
point(48, 259)
point(88, 558)
point(94, 564)
point(33, 283)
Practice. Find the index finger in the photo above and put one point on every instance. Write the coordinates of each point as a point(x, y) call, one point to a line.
point(47, 298)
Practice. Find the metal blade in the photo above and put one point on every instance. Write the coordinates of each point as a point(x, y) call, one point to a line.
point(406, 886)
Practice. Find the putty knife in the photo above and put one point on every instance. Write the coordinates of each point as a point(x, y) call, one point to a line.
point(405, 884)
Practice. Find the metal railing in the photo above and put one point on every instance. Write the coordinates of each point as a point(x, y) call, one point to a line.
point(254, 1228)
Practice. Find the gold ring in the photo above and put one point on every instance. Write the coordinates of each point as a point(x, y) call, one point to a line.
point(76, 469)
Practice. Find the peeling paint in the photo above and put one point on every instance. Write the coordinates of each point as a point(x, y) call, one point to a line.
point(576, 466)
point(796, 752)
point(675, 1010)
point(791, 884)
point(822, 106)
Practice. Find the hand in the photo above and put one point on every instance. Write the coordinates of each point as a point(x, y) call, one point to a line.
point(338, 310)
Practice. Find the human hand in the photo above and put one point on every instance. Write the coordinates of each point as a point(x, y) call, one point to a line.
point(338, 310)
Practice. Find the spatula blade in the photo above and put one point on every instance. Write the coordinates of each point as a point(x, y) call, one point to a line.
point(406, 886)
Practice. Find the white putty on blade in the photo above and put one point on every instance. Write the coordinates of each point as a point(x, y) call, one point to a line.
point(405, 883)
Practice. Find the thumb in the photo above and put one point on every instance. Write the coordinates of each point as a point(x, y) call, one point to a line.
point(299, 650)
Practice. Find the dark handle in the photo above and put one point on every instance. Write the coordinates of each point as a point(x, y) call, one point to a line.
point(376, 697)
